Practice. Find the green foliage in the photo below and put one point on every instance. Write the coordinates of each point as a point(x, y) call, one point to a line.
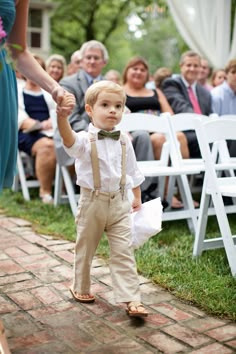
point(46, 219)
point(166, 258)
point(160, 44)
point(108, 21)
point(82, 20)
point(232, 20)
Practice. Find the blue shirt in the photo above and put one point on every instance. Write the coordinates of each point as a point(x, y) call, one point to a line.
point(223, 99)
point(91, 79)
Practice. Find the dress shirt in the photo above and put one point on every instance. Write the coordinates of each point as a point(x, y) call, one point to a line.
point(91, 79)
point(223, 99)
point(192, 85)
point(109, 155)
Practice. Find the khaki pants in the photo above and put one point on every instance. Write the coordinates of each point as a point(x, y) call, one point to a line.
point(96, 214)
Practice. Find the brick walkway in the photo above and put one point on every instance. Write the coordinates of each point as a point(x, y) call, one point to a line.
point(41, 317)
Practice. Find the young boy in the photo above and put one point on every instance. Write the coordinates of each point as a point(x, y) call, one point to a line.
point(106, 167)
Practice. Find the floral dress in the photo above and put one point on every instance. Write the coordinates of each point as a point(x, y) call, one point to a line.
point(8, 101)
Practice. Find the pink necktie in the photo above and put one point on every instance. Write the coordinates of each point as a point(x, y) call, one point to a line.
point(194, 101)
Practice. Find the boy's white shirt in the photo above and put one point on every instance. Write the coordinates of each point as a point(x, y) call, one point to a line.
point(22, 114)
point(109, 154)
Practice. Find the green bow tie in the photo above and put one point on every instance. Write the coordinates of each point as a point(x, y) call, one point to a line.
point(102, 134)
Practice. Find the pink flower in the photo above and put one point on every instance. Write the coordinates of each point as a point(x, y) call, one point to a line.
point(3, 33)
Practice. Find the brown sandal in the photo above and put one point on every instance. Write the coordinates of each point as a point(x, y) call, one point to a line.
point(85, 298)
point(133, 309)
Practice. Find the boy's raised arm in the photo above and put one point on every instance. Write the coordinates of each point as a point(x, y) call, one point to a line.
point(64, 125)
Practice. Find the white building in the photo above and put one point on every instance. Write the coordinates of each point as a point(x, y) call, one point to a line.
point(38, 34)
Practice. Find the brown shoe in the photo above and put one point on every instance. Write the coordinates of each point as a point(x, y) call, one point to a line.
point(136, 309)
point(85, 298)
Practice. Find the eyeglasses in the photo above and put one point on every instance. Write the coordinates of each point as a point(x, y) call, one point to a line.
point(94, 57)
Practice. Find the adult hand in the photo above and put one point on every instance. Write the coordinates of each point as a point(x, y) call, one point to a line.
point(65, 100)
point(66, 105)
point(46, 124)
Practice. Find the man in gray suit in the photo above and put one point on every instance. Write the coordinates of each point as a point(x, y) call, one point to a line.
point(94, 57)
point(185, 95)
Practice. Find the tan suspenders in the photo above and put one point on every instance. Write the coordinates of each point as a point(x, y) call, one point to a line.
point(95, 164)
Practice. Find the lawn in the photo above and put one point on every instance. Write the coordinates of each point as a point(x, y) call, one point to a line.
point(166, 259)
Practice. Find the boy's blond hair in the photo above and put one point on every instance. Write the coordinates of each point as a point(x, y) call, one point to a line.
point(93, 91)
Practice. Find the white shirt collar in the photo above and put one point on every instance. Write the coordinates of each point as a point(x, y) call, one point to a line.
point(186, 83)
point(93, 129)
point(91, 79)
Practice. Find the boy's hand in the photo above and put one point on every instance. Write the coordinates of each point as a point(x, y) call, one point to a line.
point(136, 204)
point(66, 105)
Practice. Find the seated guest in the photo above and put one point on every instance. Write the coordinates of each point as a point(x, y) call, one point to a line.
point(186, 95)
point(113, 75)
point(142, 99)
point(160, 75)
point(224, 97)
point(93, 58)
point(204, 74)
point(56, 66)
point(218, 77)
point(35, 131)
point(75, 63)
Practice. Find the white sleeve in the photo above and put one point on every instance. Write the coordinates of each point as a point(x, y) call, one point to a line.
point(132, 169)
point(22, 115)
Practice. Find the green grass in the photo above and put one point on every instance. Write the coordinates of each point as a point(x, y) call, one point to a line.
point(166, 259)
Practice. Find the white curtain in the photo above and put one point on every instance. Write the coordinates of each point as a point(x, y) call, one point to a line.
point(205, 27)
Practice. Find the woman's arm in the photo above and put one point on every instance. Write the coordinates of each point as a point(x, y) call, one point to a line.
point(165, 107)
point(25, 62)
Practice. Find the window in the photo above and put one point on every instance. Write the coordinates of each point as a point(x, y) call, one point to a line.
point(35, 28)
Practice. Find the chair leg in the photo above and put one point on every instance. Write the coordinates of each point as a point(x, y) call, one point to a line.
point(225, 231)
point(22, 178)
point(57, 186)
point(15, 186)
point(4, 348)
point(161, 187)
point(69, 189)
point(187, 200)
point(201, 225)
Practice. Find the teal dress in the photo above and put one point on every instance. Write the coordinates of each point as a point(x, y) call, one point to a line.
point(8, 104)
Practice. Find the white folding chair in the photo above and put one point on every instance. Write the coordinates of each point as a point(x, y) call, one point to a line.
point(224, 153)
point(180, 123)
point(63, 181)
point(216, 187)
point(186, 121)
point(159, 168)
point(20, 180)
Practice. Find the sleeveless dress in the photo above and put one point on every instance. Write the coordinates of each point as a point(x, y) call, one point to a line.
point(37, 108)
point(8, 104)
point(148, 104)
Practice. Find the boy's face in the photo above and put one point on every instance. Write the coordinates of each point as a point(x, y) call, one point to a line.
point(107, 111)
